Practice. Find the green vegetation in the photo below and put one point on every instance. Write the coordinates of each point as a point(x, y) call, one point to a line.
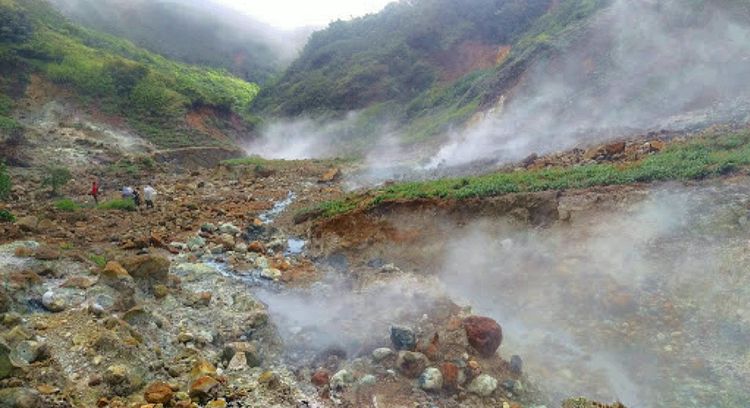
point(6, 216)
point(5, 183)
point(124, 204)
point(99, 260)
point(398, 54)
point(192, 35)
point(67, 205)
point(710, 155)
point(56, 178)
point(152, 92)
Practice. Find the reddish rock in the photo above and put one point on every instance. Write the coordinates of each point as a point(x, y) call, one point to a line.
point(45, 253)
point(614, 148)
point(204, 388)
point(24, 252)
point(158, 393)
point(431, 349)
point(320, 378)
point(450, 375)
point(257, 247)
point(484, 334)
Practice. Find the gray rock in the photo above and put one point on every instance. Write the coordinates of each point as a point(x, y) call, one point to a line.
point(196, 243)
point(484, 385)
point(513, 386)
point(208, 227)
point(431, 379)
point(229, 228)
point(53, 301)
point(381, 354)
point(20, 398)
point(27, 352)
point(341, 380)
point(516, 365)
point(403, 338)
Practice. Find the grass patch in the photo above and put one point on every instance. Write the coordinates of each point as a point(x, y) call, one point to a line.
point(711, 155)
point(99, 260)
point(7, 216)
point(67, 205)
point(120, 204)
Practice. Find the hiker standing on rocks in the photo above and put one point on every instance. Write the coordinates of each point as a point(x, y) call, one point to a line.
point(149, 194)
point(95, 192)
point(137, 199)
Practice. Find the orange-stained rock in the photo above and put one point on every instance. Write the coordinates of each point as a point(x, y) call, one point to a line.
point(450, 375)
point(158, 393)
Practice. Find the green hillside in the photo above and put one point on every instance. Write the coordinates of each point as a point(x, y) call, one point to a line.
point(151, 92)
point(201, 33)
point(428, 63)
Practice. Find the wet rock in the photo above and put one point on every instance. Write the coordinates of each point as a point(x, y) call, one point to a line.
point(484, 385)
point(516, 365)
point(205, 388)
point(431, 379)
point(484, 334)
point(158, 393)
point(53, 302)
point(46, 253)
point(403, 338)
point(320, 378)
point(411, 364)
point(381, 354)
point(20, 398)
point(341, 380)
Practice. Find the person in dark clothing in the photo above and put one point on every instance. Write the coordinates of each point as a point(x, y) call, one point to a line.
point(137, 199)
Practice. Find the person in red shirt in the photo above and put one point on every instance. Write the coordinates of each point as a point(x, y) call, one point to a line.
point(95, 192)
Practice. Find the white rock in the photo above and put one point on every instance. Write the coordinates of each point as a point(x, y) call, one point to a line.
point(431, 379)
point(341, 379)
point(484, 385)
point(380, 354)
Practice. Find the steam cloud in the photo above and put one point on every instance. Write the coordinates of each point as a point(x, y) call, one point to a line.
point(642, 65)
point(639, 303)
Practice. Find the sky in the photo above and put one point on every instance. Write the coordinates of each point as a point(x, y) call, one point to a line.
point(290, 14)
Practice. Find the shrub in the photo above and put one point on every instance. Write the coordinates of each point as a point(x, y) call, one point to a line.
point(5, 183)
point(121, 204)
point(56, 178)
point(6, 216)
point(67, 205)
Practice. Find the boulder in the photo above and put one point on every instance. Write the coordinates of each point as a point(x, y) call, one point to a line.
point(205, 388)
point(341, 380)
point(158, 393)
point(451, 375)
point(484, 385)
point(431, 379)
point(381, 354)
point(403, 338)
point(320, 377)
point(53, 302)
point(150, 268)
point(484, 334)
point(411, 364)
